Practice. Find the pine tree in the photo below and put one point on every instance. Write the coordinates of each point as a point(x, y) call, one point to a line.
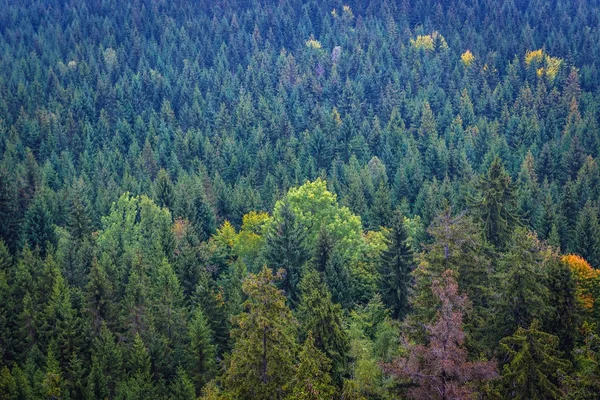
point(107, 366)
point(586, 241)
point(311, 379)
point(495, 205)
point(52, 385)
point(534, 364)
point(202, 352)
point(323, 319)
point(285, 247)
point(6, 305)
point(395, 268)
point(262, 359)
point(9, 211)
point(79, 212)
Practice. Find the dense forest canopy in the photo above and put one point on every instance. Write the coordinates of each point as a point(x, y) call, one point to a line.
point(299, 200)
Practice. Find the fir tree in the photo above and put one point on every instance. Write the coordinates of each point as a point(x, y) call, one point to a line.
point(202, 352)
point(587, 235)
point(495, 204)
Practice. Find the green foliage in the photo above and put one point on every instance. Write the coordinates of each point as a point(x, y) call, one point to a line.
point(265, 342)
point(395, 268)
point(522, 273)
point(534, 364)
point(202, 352)
point(323, 320)
point(495, 204)
point(311, 379)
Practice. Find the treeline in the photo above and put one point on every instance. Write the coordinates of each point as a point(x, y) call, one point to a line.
point(156, 155)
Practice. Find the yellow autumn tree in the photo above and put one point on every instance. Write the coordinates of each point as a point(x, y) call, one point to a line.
point(587, 280)
point(467, 58)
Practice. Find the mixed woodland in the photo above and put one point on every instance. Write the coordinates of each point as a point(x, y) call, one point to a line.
point(268, 199)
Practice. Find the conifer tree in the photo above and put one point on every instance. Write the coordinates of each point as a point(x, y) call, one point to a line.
point(442, 370)
point(494, 204)
point(521, 279)
point(323, 319)
point(534, 364)
point(395, 268)
point(39, 226)
point(311, 379)
point(586, 241)
point(285, 247)
point(202, 352)
point(265, 342)
point(100, 295)
point(163, 190)
point(182, 387)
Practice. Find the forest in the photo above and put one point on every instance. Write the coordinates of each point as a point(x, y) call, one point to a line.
point(311, 200)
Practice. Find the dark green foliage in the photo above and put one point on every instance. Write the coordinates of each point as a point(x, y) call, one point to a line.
point(522, 275)
point(395, 268)
point(494, 204)
point(323, 320)
point(285, 248)
point(39, 225)
point(130, 132)
point(586, 241)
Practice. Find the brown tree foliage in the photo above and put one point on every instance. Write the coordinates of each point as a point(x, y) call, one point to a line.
point(441, 369)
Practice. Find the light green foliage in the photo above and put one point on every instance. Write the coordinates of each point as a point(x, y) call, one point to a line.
point(315, 208)
point(136, 226)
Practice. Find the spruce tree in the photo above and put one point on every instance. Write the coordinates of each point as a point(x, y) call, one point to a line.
point(323, 319)
point(262, 358)
point(395, 268)
point(201, 356)
point(311, 379)
point(285, 248)
point(182, 387)
point(494, 204)
point(586, 241)
point(534, 364)
point(521, 282)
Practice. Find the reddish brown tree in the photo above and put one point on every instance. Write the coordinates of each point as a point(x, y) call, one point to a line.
point(441, 369)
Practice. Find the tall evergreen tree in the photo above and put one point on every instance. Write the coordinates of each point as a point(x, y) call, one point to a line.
point(586, 241)
point(263, 355)
point(311, 379)
point(285, 247)
point(323, 319)
point(534, 364)
point(202, 352)
point(494, 204)
point(395, 268)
